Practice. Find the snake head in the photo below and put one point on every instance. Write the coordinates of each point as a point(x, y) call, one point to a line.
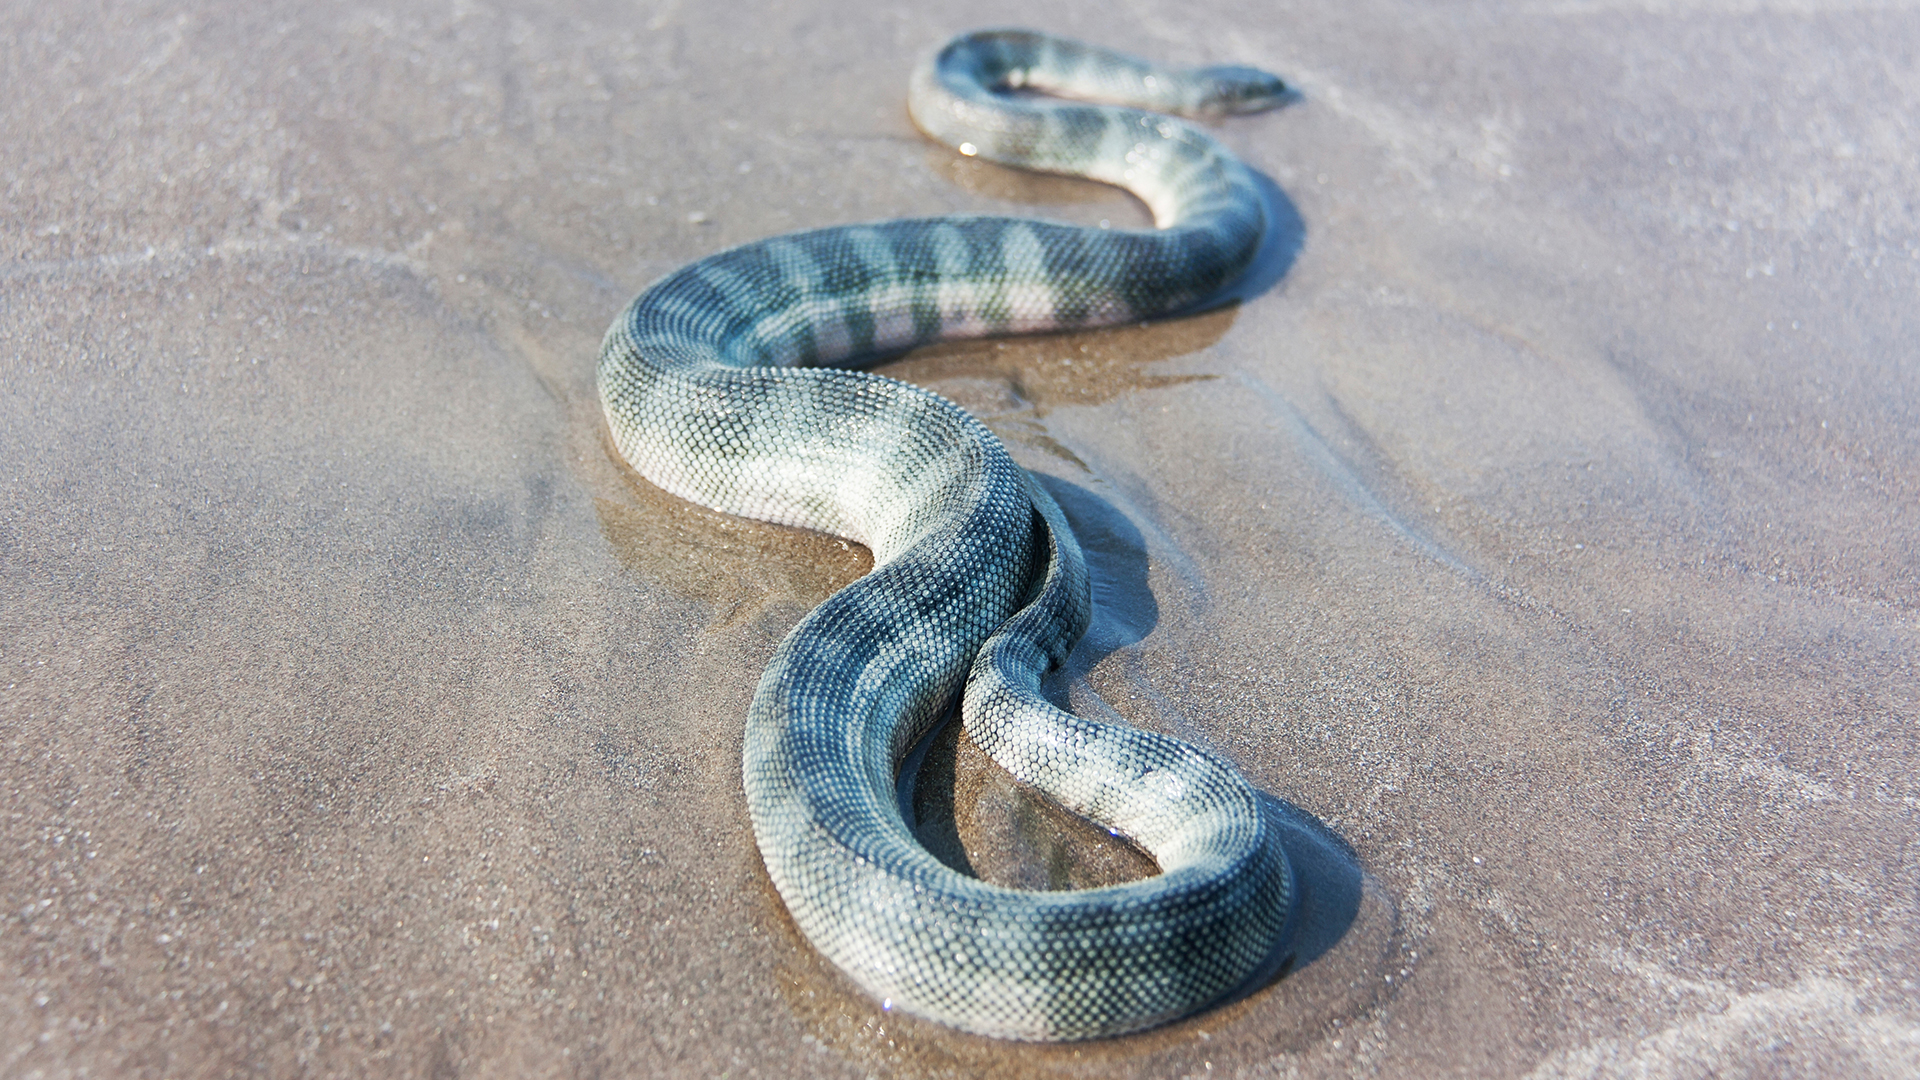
point(1236, 89)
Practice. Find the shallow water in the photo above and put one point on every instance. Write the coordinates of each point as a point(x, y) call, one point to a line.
point(1541, 531)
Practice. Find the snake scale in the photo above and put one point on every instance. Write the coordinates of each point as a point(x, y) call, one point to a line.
point(726, 383)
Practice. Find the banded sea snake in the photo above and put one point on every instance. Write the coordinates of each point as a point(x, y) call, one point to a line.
point(724, 383)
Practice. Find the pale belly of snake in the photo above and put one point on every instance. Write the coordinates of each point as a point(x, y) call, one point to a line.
point(716, 386)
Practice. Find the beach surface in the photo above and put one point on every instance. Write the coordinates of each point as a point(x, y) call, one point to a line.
point(1541, 528)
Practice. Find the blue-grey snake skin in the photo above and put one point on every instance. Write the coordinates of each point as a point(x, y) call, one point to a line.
point(724, 383)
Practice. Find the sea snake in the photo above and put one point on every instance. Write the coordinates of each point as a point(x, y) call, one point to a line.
point(725, 383)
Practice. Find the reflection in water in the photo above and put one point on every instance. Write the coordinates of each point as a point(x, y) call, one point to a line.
point(737, 565)
point(1067, 197)
point(1084, 367)
point(1011, 384)
point(976, 818)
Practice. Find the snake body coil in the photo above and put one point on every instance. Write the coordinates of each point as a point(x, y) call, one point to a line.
point(716, 388)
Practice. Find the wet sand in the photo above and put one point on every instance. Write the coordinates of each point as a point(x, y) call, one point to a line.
point(1540, 532)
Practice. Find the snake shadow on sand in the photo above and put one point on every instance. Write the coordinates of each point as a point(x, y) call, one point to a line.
point(1327, 875)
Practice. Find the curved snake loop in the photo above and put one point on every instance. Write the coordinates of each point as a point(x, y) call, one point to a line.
point(717, 387)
